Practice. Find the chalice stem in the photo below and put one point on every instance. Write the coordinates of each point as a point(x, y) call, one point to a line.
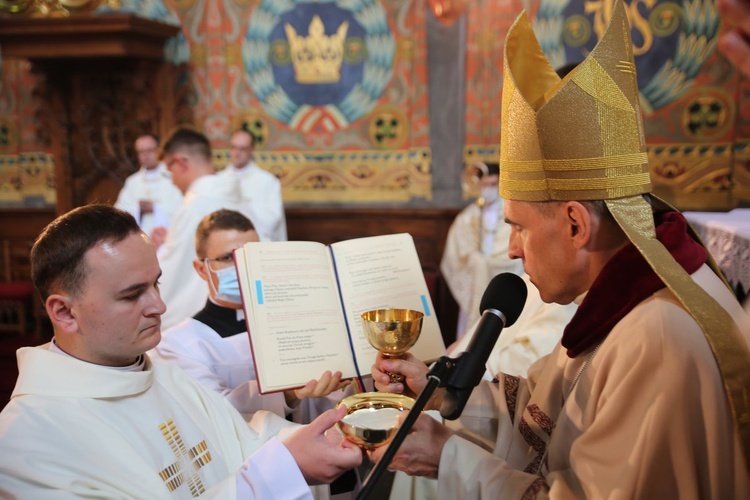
point(396, 378)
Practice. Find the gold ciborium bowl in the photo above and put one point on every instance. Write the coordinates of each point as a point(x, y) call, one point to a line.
point(372, 417)
point(392, 331)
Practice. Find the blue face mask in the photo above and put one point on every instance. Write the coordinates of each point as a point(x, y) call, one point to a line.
point(228, 289)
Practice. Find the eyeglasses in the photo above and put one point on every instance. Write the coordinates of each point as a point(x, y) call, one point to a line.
point(223, 259)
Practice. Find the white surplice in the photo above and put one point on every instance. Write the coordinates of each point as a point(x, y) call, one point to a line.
point(78, 429)
point(223, 365)
point(183, 291)
point(476, 250)
point(261, 193)
point(154, 185)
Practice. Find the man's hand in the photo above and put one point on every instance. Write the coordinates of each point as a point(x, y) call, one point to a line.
point(735, 43)
point(328, 383)
point(320, 451)
point(419, 454)
point(409, 366)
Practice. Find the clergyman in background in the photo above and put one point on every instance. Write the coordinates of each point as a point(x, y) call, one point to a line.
point(260, 190)
point(149, 194)
point(476, 248)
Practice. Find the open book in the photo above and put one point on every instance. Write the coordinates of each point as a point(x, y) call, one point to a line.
point(303, 303)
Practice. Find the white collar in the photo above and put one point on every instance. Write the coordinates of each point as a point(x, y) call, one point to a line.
point(137, 366)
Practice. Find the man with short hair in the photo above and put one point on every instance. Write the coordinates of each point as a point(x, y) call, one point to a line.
point(91, 416)
point(260, 190)
point(149, 194)
point(213, 346)
point(646, 395)
point(187, 154)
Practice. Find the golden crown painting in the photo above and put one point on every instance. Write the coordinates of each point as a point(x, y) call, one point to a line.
point(343, 98)
point(409, 249)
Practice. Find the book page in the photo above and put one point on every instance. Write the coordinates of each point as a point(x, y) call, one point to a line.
point(294, 314)
point(384, 272)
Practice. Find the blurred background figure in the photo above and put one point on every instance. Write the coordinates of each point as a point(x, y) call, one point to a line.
point(260, 190)
point(476, 248)
point(149, 194)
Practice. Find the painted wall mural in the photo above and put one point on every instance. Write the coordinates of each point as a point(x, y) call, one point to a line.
point(488, 22)
point(336, 93)
point(690, 96)
point(695, 104)
point(26, 171)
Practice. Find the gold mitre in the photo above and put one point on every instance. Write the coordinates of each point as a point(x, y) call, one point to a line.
point(579, 138)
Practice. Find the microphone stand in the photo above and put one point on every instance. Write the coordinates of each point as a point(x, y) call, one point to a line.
point(438, 376)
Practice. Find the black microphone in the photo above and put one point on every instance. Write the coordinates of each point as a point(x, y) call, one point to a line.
point(501, 306)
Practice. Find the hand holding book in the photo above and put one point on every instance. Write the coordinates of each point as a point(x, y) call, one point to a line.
point(303, 303)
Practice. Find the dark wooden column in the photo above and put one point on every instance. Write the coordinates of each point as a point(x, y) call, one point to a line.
point(103, 84)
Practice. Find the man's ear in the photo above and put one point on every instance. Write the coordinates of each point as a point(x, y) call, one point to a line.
point(60, 310)
point(579, 222)
point(200, 269)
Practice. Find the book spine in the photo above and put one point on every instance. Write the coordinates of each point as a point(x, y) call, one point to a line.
point(346, 319)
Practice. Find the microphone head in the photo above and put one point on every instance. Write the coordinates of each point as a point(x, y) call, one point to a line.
point(506, 293)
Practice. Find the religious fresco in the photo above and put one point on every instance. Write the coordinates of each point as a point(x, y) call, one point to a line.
point(487, 23)
point(26, 172)
point(334, 92)
point(694, 103)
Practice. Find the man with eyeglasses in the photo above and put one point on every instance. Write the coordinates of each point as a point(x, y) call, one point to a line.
point(260, 190)
point(213, 346)
point(149, 194)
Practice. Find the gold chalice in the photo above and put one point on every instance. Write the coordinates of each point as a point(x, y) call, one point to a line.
point(372, 417)
point(392, 332)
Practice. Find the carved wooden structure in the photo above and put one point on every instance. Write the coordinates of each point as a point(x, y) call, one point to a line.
point(103, 84)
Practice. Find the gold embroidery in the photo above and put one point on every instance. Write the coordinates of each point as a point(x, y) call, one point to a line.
point(185, 468)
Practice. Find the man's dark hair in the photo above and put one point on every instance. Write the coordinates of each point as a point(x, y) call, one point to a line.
point(187, 139)
point(493, 168)
point(221, 220)
point(563, 71)
point(57, 257)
